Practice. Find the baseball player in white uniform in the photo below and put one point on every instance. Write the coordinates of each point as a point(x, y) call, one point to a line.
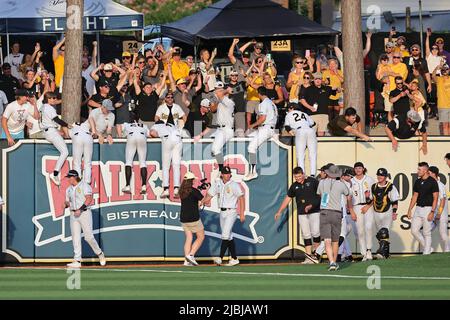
point(441, 217)
point(101, 121)
point(136, 134)
point(78, 199)
point(49, 124)
point(172, 147)
point(266, 122)
point(230, 199)
point(300, 125)
point(170, 112)
point(82, 148)
point(223, 106)
point(348, 224)
point(361, 193)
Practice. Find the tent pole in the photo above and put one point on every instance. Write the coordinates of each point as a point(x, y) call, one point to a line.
point(195, 53)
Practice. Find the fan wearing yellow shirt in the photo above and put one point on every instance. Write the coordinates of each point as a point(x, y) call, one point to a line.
point(180, 69)
point(254, 81)
point(58, 60)
point(399, 69)
point(335, 79)
point(443, 96)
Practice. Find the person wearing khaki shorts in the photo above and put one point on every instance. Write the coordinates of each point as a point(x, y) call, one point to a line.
point(190, 218)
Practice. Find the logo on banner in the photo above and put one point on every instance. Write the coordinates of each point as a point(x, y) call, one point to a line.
point(119, 211)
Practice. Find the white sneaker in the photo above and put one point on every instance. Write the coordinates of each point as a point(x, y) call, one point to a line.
point(165, 194)
point(54, 178)
point(307, 262)
point(175, 192)
point(251, 176)
point(74, 264)
point(233, 262)
point(191, 259)
point(218, 261)
point(144, 189)
point(102, 258)
point(126, 189)
point(369, 255)
point(187, 264)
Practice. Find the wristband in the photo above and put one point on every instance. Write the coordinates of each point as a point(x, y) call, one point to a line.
point(83, 208)
point(394, 210)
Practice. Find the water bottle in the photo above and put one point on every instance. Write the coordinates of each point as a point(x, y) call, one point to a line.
point(131, 105)
point(315, 106)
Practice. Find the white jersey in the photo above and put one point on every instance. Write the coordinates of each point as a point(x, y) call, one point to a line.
point(361, 190)
point(225, 112)
point(297, 119)
point(163, 113)
point(443, 195)
point(48, 113)
point(78, 128)
point(167, 132)
point(15, 60)
point(102, 121)
point(135, 129)
point(17, 115)
point(3, 101)
point(36, 126)
point(76, 195)
point(268, 109)
point(228, 193)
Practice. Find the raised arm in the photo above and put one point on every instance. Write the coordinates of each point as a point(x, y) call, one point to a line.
point(368, 43)
point(94, 72)
point(173, 86)
point(94, 54)
point(55, 53)
point(231, 51)
point(245, 46)
point(137, 87)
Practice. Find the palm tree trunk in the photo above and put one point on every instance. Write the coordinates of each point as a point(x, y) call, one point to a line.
point(71, 94)
point(353, 57)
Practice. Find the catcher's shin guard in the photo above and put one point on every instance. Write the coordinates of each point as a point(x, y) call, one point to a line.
point(383, 240)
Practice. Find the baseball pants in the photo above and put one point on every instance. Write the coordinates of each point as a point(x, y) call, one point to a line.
point(171, 154)
point(418, 221)
point(227, 220)
point(309, 225)
point(83, 145)
point(77, 225)
point(364, 224)
point(136, 143)
point(52, 135)
point(221, 137)
point(306, 138)
point(443, 232)
point(346, 227)
point(264, 133)
point(383, 219)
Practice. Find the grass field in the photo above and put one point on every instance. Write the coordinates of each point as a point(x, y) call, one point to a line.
point(416, 277)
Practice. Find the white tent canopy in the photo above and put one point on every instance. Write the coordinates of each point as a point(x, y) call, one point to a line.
point(49, 16)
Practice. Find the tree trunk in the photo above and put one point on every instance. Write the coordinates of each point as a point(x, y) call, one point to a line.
point(71, 93)
point(310, 6)
point(354, 95)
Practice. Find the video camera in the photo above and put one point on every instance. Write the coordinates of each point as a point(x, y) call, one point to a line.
point(204, 184)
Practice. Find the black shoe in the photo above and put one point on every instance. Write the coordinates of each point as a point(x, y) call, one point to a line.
point(338, 259)
point(348, 258)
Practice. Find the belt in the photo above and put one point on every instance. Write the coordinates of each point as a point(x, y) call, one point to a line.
point(232, 128)
point(75, 134)
point(225, 209)
point(271, 127)
point(46, 129)
point(360, 204)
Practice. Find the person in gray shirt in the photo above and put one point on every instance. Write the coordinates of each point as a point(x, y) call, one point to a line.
point(331, 191)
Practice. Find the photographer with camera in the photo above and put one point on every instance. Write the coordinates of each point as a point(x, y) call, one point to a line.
point(190, 217)
point(231, 203)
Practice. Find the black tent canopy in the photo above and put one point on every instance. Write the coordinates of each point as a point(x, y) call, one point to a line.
point(242, 19)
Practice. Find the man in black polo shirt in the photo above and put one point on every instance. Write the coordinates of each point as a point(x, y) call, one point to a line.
point(399, 98)
point(8, 83)
point(147, 101)
point(425, 198)
point(104, 93)
point(304, 190)
point(238, 96)
point(198, 120)
point(416, 61)
point(316, 99)
point(405, 128)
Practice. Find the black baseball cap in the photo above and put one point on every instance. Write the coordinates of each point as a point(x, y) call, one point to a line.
point(225, 170)
point(21, 93)
point(6, 65)
point(348, 172)
point(72, 173)
point(447, 156)
point(103, 83)
point(382, 172)
point(358, 164)
point(246, 54)
point(434, 169)
point(293, 105)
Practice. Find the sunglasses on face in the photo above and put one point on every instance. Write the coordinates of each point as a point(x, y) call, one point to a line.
point(257, 48)
point(53, 98)
point(435, 48)
point(126, 58)
point(399, 83)
point(254, 71)
point(440, 42)
point(141, 62)
point(415, 49)
point(306, 78)
point(396, 57)
point(169, 97)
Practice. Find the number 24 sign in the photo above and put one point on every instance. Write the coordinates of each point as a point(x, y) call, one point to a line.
point(280, 45)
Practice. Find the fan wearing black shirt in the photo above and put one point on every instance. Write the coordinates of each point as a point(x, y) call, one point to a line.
point(316, 100)
point(147, 99)
point(190, 218)
point(304, 190)
point(238, 97)
point(425, 198)
point(405, 128)
point(8, 83)
point(104, 93)
point(197, 118)
point(399, 98)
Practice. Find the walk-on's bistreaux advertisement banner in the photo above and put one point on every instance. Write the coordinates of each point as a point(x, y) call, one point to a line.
point(138, 227)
